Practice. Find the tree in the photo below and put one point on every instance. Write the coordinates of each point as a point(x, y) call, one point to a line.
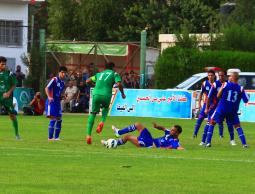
point(100, 17)
point(92, 20)
point(244, 13)
point(202, 17)
point(63, 19)
point(149, 14)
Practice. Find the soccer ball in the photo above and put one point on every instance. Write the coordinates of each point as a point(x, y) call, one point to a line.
point(111, 143)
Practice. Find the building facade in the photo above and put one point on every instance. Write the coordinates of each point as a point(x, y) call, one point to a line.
point(14, 32)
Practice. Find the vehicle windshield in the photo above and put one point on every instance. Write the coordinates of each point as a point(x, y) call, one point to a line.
point(187, 82)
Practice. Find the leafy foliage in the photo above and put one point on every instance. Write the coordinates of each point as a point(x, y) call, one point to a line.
point(202, 17)
point(236, 37)
point(63, 21)
point(244, 13)
point(108, 20)
point(140, 16)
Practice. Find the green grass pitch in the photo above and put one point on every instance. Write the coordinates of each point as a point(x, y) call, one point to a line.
point(34, 165)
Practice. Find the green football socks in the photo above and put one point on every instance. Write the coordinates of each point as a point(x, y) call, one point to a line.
point(104, 114)
point(90, 124)
point(15, 126)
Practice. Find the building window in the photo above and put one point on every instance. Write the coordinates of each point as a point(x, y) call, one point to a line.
point(11, 33)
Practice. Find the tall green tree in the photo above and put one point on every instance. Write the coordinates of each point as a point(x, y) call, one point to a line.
point(63, 19)
point(244, 13)
point(151, 15)
point(100, 18)
point(203, 17)
point(92, 20)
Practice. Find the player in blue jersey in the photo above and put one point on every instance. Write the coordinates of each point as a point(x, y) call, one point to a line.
point(231, 94)
point(53, 91)
point(169, 140)
point(211, 105)
point(205, 88)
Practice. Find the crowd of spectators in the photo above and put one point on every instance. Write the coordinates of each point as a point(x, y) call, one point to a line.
point(77, 93)
point(130, 80)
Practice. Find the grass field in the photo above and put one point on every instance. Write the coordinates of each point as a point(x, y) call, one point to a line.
point(34, 165)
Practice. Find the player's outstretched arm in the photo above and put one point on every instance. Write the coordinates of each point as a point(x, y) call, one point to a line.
point(121, 90)
point(156, 126)
point(245, 97)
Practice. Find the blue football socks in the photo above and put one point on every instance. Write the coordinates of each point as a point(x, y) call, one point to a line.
point(58, 128)
point(231, 131)
point(127, 129)
point(205, 133)
point(210, 134)
point(51, 128)
point(221, 129)
point(197, 126)
point(120, 142)
point(241, 135)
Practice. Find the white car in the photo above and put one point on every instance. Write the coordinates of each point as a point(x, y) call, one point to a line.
point(246, 79)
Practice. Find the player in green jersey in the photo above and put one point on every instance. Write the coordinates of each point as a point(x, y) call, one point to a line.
point(7, 85)
point(102, 94)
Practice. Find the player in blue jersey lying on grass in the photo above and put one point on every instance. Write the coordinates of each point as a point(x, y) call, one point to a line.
point(145, 139)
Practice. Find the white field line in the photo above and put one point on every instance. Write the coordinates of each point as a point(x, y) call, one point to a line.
point(57, 153)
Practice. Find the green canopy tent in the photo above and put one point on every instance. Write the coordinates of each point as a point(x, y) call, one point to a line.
point(125, 55)
point(88, 48)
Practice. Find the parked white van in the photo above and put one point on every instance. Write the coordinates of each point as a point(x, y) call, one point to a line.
point(246, 79)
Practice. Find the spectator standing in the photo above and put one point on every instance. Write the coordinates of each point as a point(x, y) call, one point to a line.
point(20, 76)
point(78, 78)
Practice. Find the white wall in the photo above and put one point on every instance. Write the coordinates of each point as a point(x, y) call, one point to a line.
point(169, 40)
point(152, 55)
point(15, 11)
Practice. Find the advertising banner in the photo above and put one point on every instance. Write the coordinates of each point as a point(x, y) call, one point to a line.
point(247, 110)
point(23, 96)
point(86, 48)
point(153, 103)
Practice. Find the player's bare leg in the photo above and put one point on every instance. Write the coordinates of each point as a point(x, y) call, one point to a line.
point(132, 139)
point(124, 139)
